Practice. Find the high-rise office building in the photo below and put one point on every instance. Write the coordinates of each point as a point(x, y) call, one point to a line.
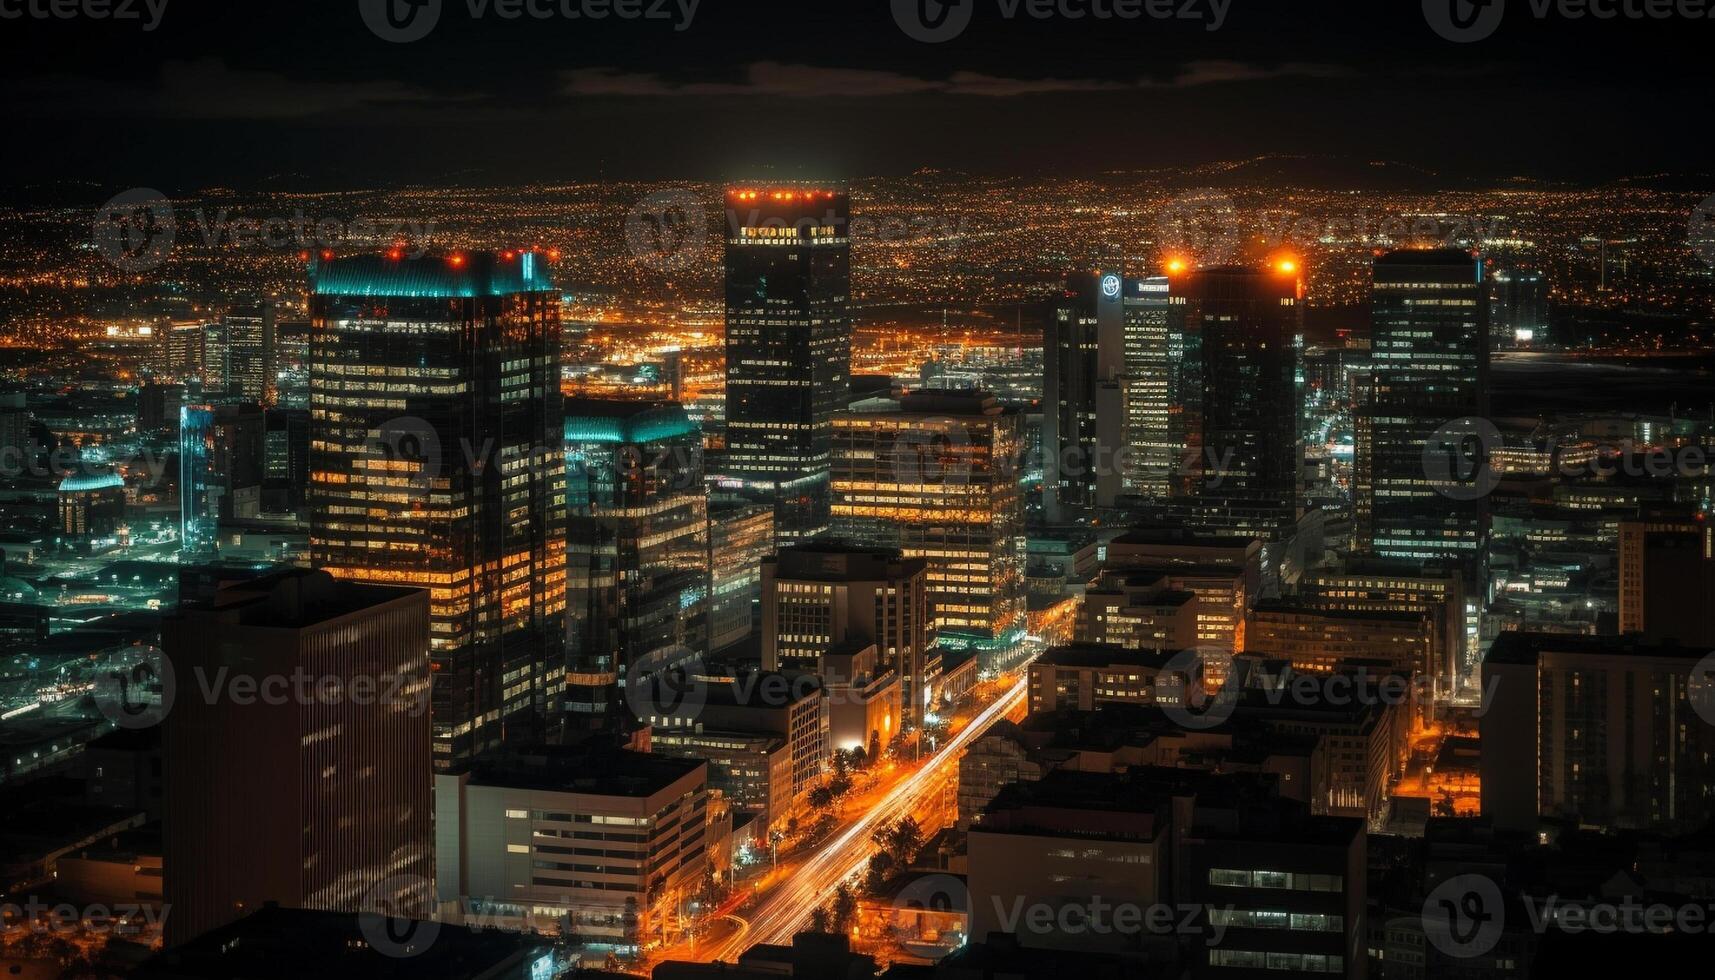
point(1083, 400)
point(788, 347)
point(199, 497)
point(1150, 344)
point(825, 596)
point(1667, 576)
point(240, 458)
point(1430, 362)
point(285, 459)
point(1518, 305)
point(1235, 402)
point(637, 559)
point(302, 776)
point(741, 535)
point(934, 474)
point(249, 348)
point(436, 428)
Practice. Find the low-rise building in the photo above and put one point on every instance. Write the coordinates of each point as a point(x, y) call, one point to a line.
point(604, 841)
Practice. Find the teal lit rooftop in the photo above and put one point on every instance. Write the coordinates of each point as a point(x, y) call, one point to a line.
point(457, 275)
point(81, 482)
point(595, 421)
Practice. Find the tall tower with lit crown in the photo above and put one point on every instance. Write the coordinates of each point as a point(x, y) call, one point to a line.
point(435, 461)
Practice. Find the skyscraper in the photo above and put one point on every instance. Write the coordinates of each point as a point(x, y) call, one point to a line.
point(249, 347)
point(302, 776)
point(1518, 301)
point(436, 427)
point(741, 535)
point(1235, 402)
point(934, 474)
point(1083, 401)
point(1429, 352)
point(637, 571)
point(199, 515)
point(788, 347)
point(1149, 350)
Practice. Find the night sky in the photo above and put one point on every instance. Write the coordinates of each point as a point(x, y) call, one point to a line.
point(302, 95)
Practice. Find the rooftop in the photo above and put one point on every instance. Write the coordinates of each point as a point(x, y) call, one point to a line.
point(1102, 655)
point(84, 482)
point(295, 598)
point(588, 769)
point(287, 944)
point(602, 420)
point(453, 276)
point(1526, 648)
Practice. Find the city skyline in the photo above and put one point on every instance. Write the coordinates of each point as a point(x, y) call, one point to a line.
point(877, 489)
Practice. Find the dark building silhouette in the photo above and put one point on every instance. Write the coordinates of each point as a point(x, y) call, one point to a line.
point(296, 750)
point(788, 347)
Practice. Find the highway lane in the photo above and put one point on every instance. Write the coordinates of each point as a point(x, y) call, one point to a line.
point(786, 909)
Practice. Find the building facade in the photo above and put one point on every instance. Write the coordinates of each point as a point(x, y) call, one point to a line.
point(602, 843)
point(788, 347)
point(934, 475)
point(303, 778)
point(637, 551)
point(435, 431)
point(1429, 353)
point(820, 597)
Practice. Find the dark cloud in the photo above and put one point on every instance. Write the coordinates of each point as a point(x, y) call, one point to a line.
point(773, 79)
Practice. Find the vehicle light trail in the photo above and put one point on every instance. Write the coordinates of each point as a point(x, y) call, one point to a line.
point(787, 907)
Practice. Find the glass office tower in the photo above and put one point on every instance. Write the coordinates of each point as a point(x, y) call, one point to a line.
point(1429, 350)
point(1150, 453)
point(1235, 401)
point(435, 457)
point(637, 552)
point(788, 347)
point(199, 516)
